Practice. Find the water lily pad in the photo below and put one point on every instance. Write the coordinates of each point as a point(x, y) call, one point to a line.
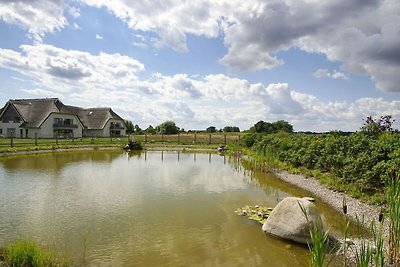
point(255, 213)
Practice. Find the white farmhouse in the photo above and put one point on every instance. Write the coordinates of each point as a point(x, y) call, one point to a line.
point(50, 118)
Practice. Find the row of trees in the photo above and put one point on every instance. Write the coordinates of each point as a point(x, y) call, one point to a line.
point(169, 127)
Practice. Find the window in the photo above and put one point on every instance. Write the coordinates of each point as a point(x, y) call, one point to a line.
point(57, 121)
point(68, 122)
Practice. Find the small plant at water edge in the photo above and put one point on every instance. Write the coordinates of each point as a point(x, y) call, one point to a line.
point(319, 240)
point(29, 254)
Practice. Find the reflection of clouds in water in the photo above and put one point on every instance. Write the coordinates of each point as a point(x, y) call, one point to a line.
point(194, 172)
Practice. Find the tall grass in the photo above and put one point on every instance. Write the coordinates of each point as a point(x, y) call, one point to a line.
point(379, 255)
point(393, 206)
point(319, 239)
point(28, 253)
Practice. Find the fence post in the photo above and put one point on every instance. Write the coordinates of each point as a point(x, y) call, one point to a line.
point(162, 138)
point(73, 139)
point(145, 137)
point(12, 139)
point(209, 139)
point(56, 138)
point(179, 139)
point(224, 139)
point(194, 138)
point(35, 138)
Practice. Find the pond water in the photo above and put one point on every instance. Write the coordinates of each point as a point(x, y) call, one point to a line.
point(111, 208)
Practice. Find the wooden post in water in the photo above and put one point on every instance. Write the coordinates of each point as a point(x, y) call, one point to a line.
point(194, 138)
point(179, 139)
point(224, 139)
point(145, 137)
point(162, 138)
point(35, 138)
point(57, 138)
point(11, 140)
point(209, 139)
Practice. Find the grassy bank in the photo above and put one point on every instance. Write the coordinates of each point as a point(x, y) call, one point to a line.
point(358, 164)
point(199, 140)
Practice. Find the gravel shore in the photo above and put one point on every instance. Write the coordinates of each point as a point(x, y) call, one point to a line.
point(355, 208)
point(333, 198)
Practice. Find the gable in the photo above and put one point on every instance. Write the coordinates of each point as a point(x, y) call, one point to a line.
point(10, 114)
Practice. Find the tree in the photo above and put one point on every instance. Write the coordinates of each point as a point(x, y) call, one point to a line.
point(227, 129)
point(374, 127)
point(284, 126)
point(138, 130)
point(150, 130)
point(235, 129)
point(167, 127)
point(211, 129)
point(130, 129)
point(267, 127)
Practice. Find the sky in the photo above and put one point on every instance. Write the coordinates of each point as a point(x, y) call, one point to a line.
point(321, 65)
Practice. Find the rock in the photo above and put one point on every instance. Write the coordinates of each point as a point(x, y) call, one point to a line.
point(309, 199)
point(287, 220)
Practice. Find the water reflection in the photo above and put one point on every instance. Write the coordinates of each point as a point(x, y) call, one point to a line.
point(151, 208)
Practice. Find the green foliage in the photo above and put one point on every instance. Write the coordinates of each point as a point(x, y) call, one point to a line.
point(256, 213)
point(130, 129)
point(358, 159)
point(28, 253)
point(167, 127)
point(138, 130)
point(150, 130)
point(269, 128)
point(211, 129)
point(229, 129)
point(393, 205)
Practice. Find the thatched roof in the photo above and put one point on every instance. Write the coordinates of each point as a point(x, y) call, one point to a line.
point(35, 111)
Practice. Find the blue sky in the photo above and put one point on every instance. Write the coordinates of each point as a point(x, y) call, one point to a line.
point(321, 65)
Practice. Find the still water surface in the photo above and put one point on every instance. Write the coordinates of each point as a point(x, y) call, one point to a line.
point(146, 209)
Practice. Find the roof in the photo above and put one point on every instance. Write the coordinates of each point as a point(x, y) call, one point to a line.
point(35, 111)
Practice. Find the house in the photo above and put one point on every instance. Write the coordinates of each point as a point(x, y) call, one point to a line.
point(50, 118)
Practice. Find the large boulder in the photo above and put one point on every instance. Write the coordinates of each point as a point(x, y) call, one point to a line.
point(288, 221)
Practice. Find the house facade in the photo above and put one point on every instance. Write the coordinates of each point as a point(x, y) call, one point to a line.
point(50, 118)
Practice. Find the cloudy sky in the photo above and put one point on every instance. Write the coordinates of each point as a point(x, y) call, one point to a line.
point(319, 64)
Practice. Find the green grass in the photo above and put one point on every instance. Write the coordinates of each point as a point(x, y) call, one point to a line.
point(393, 206)
point(200, 140)
point(28, 253)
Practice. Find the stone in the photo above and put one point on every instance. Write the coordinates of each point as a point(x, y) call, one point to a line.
point(309, 199)
point(287, 220)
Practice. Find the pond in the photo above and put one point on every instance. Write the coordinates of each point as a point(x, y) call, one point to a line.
point(111, 208)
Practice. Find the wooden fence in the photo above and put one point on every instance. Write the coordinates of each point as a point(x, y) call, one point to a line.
point(181, 138)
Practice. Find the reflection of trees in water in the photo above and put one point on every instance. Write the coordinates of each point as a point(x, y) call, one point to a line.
point(57, 160)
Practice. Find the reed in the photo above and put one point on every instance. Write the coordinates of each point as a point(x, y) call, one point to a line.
point(319, 239)
point(29, 253)
point(393, 206)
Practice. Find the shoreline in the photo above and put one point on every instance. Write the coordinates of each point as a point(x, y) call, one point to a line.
point(355, 208)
